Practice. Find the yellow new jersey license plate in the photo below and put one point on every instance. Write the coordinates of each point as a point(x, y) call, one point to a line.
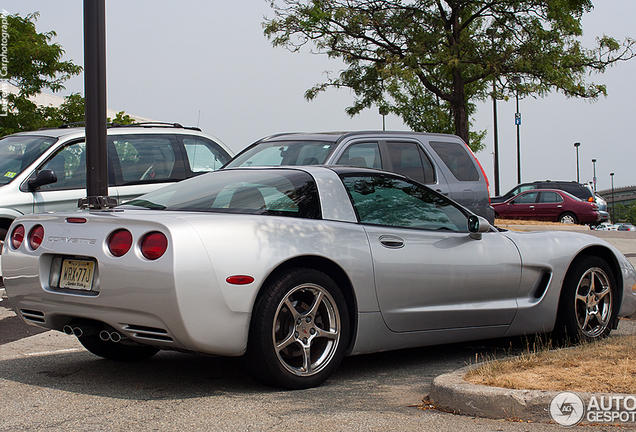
point(77, 274)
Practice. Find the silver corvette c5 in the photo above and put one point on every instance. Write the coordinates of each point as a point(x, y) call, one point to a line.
point(295, 268)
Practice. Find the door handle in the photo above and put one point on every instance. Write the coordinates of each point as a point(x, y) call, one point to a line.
point(443, 193)
point(531, 207)
point(391, 242)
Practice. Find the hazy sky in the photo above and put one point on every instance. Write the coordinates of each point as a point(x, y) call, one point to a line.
point(208, 62)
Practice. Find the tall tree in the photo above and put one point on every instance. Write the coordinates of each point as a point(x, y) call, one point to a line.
point(34, 63)
point(428, 60)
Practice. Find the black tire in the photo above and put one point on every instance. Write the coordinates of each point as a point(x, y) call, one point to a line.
point(587, 306)
point(117, 351)
point(568, 218)
point(292, 344)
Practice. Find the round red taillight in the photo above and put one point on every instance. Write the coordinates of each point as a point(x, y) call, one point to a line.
point(154, 245)
point(17, 236)
point(36, 235)
point(120, 242)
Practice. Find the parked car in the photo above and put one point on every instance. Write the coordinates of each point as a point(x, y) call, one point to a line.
point(295, 267)
point(548, 205)
point(605, 226)
point(142, 158)
point(442, 162)
point(580, 190)
point(625, 227)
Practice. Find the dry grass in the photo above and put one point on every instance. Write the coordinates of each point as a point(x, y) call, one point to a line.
point(604, 366)
point(505, 222)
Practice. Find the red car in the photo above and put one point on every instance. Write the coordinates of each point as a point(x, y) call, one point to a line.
point(548, 205)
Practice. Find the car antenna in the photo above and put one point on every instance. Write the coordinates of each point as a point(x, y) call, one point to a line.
point(198, 118)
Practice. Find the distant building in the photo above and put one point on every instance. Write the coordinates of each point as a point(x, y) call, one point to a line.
point(45, 99)
point(623, 195)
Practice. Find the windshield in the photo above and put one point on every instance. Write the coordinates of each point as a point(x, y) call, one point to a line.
point(17, 153)
point(279, 153)
point(272, 192)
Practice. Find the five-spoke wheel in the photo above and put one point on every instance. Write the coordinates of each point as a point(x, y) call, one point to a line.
point(299, 331)
point(586, 307)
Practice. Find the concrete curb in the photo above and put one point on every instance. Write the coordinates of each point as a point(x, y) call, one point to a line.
point(451, 393)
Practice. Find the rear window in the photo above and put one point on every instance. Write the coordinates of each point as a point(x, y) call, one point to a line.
point(456, 158)
point(273, 192)
point(280, 153)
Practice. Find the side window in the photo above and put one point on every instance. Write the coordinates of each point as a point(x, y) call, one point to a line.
point(528, 198)
point(362, 155)
point(455, 156)
point(408, 159)
point(145, 158)
point(550, 197)
point(382, 200)
point(203, 155)
point(69, 166)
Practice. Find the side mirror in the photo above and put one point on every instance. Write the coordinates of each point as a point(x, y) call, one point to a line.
point(477, 225)
point(44, 177)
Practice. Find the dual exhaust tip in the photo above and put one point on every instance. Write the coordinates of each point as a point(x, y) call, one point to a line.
point(104, 335)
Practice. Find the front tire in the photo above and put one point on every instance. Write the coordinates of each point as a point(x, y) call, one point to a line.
point(116, 351)
point(299, 330)
point(586, 306)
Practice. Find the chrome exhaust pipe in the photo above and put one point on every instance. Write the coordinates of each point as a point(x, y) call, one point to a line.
point(115, 337)
point(77, 331)
point(68, 330)
point(104, 335)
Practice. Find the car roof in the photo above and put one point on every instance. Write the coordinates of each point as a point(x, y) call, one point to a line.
point(335, 136)
point(136, 128)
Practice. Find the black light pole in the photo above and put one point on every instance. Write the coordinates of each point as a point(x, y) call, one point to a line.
point(517, 81)
point(494, 114)
point(577, 145)
point(612, 177)
point(594, 168)
point(95, 114)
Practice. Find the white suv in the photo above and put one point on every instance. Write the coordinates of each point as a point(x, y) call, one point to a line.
point(45, 170)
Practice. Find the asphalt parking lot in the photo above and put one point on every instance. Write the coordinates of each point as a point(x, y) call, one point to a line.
point(49, 382)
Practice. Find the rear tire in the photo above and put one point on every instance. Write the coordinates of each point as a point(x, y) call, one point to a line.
point(586, 306)
point(117, 351)
point(568, 218)
point(299, 330)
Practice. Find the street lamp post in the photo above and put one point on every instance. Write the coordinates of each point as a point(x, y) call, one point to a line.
point(577, 145)
point(612, 177)
point(517, 81)
point(494, 113)
point(594, 168)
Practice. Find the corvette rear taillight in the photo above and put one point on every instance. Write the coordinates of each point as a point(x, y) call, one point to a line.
point(120, 242)
point(36, 235)
point(17, 236)
point(154, 245)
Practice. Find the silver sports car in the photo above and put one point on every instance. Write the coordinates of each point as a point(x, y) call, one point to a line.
point(294, 268)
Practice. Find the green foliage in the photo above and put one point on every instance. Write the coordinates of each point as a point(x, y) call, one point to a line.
point(428, 60)
point(624, 213)
point(121, 118)
point(34, 64)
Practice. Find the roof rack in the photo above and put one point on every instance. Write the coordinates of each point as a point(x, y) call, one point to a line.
point(140, 124)
point(156, 124)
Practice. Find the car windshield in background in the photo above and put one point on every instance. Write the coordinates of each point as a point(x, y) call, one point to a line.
point(279, 153)
point(17, 153)
point(278, 192)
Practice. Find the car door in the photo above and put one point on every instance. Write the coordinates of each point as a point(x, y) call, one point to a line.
point(549, 206)
point(429, 272)
point(523, 206)
point(69, 165)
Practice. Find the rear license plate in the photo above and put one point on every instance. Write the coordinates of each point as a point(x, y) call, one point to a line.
point(77, 274)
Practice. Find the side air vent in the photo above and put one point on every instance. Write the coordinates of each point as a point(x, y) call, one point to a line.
point(152, 333)
point(542, 285)
point(31, 315)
